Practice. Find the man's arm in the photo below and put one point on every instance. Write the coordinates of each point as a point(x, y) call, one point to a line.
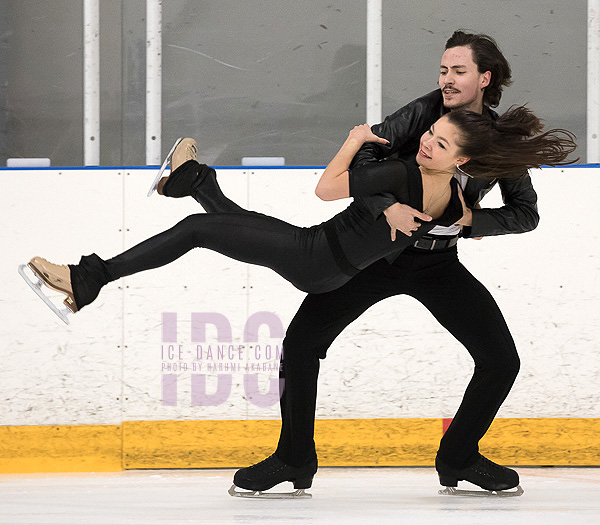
point(518, 215)
point(402, 127)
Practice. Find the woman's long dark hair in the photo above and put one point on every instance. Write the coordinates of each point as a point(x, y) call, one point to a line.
point(510, 145)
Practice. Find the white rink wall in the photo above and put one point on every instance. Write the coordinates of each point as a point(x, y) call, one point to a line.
point(113, 363)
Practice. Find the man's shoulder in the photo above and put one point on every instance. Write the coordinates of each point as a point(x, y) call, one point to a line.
point(431, 104)
point(433, 100)
point(433, 97)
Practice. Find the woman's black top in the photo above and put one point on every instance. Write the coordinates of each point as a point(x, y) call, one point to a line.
point(357, 239)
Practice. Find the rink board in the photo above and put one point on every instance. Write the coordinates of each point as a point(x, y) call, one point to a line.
point(232, 444)
point(132, 357)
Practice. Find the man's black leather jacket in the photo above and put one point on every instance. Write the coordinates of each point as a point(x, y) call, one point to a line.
point(404, 129)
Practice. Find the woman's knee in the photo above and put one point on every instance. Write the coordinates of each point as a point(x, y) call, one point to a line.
point(191, 221)
point(193, 227)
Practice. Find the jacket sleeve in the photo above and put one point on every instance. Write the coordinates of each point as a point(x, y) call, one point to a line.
point(399, 128)
point(378, 177)
point(377, 204)
point(518, 215)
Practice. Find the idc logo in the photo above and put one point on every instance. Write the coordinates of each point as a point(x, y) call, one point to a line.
point(220, 357)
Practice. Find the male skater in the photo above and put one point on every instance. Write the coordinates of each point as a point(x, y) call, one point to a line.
point(472, 74)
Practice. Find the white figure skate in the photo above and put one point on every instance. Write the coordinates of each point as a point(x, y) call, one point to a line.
point(40, 281)
point(163, 167)
point(258, 494)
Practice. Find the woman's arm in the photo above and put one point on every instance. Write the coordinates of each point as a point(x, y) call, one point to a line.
point(333, 184)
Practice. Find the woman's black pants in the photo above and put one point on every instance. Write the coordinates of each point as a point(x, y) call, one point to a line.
point(300, 255)
point(436, 279)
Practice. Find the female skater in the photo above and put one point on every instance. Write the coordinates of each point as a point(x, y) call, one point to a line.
point(322, 258)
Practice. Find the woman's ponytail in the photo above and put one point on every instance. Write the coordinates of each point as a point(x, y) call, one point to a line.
point(510, 145)
point(518, 120)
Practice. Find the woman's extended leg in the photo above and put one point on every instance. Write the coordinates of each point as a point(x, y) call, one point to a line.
point(300, 255)
point(190, 178)
point(200, 182)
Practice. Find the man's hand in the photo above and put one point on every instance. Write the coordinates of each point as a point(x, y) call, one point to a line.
point(402, 217)
point(467, 218)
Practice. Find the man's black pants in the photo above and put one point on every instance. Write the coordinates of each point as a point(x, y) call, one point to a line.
point(456, 299)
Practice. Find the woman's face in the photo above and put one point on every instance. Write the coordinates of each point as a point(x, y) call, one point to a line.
point(439, 149)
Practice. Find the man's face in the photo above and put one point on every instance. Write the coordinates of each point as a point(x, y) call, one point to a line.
point(460, 81)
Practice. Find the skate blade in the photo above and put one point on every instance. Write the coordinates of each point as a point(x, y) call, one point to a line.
point(258, 494)
point(163, 167)
point(453, 491)
point(37, 288)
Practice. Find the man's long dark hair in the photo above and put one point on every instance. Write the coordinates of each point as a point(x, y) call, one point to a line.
point(488, 57)
point(510, 145)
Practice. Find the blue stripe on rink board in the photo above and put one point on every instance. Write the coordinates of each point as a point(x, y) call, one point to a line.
point(117, 168)
point(243, 168)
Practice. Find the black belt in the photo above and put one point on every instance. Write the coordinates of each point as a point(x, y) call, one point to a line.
point(431, 242)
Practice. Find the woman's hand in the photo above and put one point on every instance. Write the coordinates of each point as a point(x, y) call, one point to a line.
point(334, 184)
point(364, 134)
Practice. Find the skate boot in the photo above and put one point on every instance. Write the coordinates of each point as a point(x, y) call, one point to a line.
point(182, 151)
point(270, 472)
point(494, 478)
point(81, 283)
point(185, 151)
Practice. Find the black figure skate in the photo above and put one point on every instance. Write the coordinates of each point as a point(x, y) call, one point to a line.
point(494, 479)
point(270, 472)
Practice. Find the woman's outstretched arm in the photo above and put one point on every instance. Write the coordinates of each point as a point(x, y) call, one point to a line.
point(333, 184)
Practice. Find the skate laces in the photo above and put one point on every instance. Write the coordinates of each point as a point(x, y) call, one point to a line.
point(271, 464)
point(488, 468)
point(62, 266)
point(191, 151)
point(490, 463)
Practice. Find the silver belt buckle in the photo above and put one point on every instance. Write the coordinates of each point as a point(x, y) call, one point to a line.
point(433, 244)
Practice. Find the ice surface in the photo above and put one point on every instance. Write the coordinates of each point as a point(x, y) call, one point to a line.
point(340, 495)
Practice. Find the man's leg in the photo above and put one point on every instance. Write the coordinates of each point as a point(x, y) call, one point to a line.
point(469, 312)
point(317, 323)
point(320, 319)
